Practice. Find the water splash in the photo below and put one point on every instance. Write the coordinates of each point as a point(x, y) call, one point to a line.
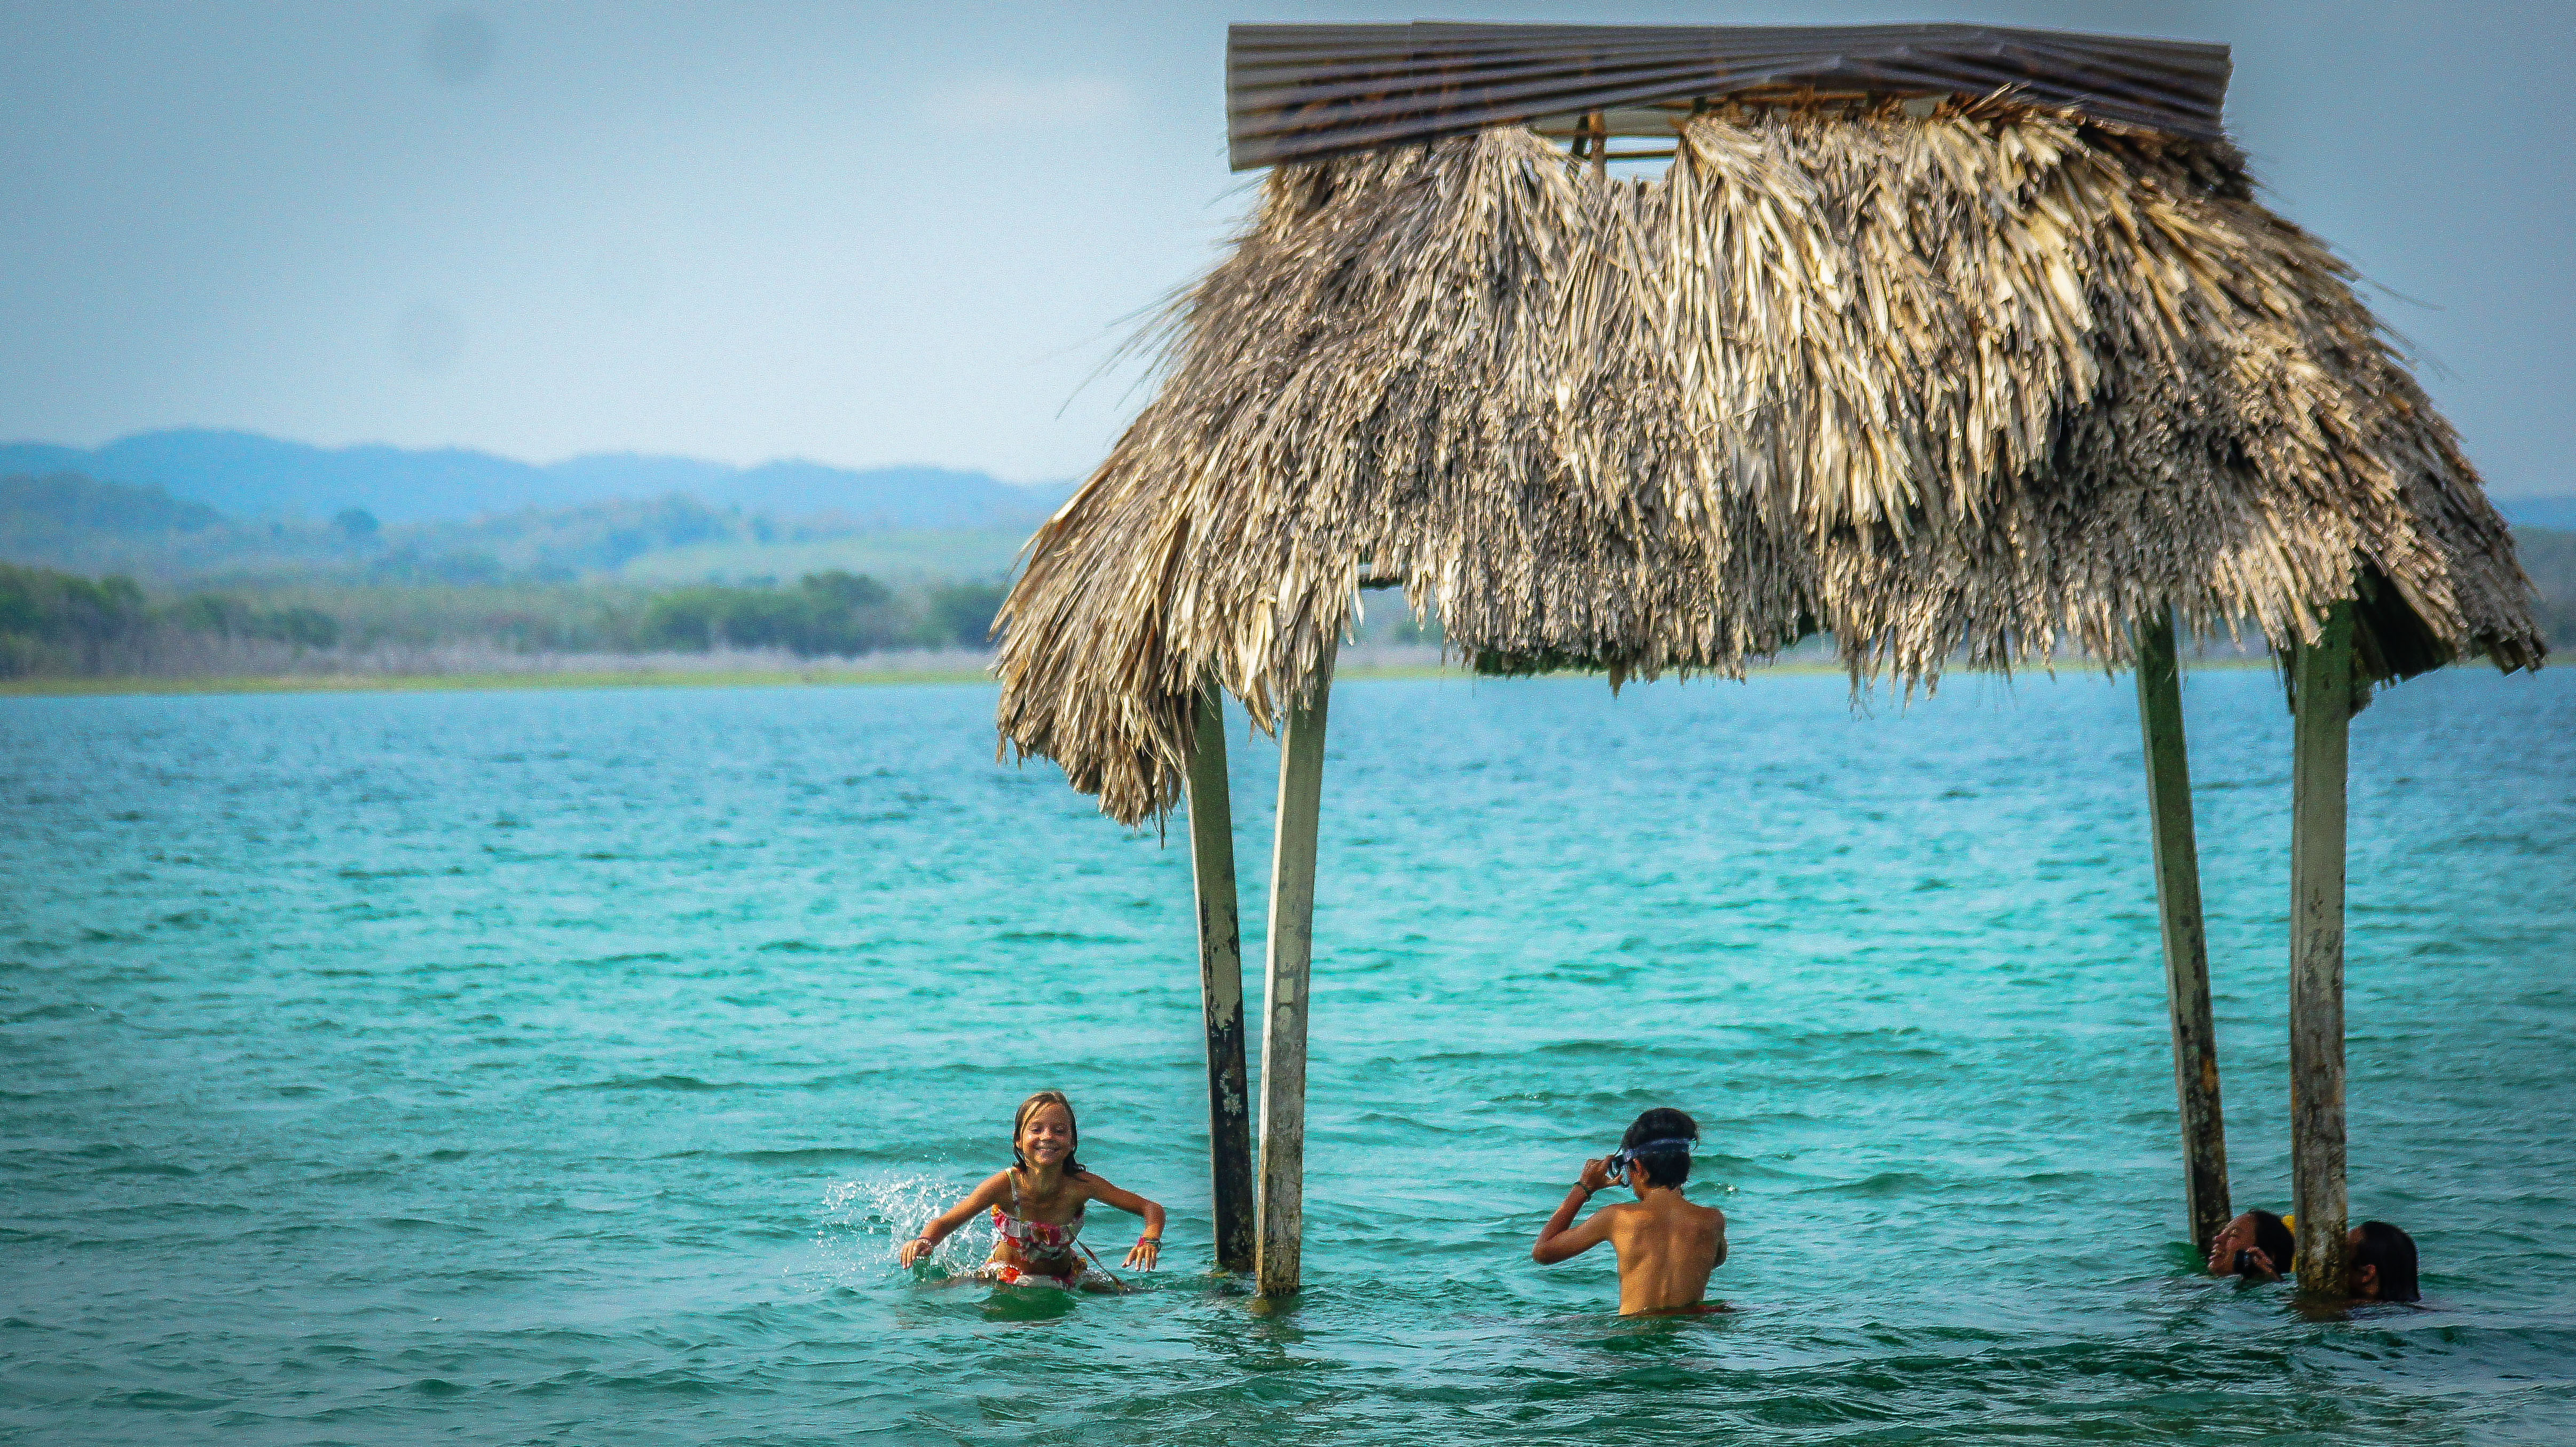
point(864, 1220)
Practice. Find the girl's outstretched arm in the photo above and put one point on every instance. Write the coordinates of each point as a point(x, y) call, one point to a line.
point(1141, 1256)
point(977, 1201)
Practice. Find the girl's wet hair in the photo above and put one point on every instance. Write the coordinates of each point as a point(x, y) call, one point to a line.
point(1669, 1167)
point(1073, 1129)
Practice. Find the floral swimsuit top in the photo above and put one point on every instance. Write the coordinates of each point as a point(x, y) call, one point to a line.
point(1036, 1240)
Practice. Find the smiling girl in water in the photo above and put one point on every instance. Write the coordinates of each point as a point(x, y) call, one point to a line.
point(1045, 1192)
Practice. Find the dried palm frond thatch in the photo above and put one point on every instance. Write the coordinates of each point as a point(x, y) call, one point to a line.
point(1968, 380)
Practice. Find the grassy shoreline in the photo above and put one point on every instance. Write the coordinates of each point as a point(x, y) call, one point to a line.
point(567, 679)
point(472, 682)
point(717, 678)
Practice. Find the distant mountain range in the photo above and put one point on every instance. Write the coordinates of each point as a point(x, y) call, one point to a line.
point(247, 475)
point(82, 525)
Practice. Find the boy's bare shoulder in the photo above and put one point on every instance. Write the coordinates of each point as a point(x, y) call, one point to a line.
point(1620, 1208)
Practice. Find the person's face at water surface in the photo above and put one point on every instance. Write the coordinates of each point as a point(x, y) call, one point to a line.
point(1046, 1137)
point(2238, 1235)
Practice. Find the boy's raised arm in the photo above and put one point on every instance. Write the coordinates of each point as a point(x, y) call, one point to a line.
point(1560, 1239)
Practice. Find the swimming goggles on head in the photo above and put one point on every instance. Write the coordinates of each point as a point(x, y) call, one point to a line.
point(1624, 1157)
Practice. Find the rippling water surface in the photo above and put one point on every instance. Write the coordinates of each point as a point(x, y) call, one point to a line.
point(565, 1066)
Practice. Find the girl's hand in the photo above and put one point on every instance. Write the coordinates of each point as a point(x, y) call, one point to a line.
point(949, 1222)
point(1140, 1257)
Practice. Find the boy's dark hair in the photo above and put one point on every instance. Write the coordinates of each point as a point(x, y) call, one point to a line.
point(1668, 1167)
point(2277, 1240)
point(2393, 1252)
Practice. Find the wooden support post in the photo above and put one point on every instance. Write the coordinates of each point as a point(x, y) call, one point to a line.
point(1598, 123)
point(1292, 950)
point(2177, 853)
point(2322, 707)
point(1221, 986)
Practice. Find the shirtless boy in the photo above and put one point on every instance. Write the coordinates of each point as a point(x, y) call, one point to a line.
point(1667, 1246)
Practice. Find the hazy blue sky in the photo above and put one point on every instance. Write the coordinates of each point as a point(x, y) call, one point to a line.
point(908, 233)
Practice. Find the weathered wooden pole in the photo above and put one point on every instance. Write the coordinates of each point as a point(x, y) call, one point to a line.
point(2322, 712)
point(2177, 853)
point(1221, 986)
point(1291, 950)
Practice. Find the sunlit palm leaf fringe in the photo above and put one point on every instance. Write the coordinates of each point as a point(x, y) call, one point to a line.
point(1978, 385)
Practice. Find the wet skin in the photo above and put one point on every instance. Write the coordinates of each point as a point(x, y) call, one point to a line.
point(1666, 1246)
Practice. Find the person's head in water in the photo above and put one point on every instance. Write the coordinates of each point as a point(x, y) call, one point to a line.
point(2256, 1245)
point(2383, 1263)
point(1656, 1149)
point(1043, 1133)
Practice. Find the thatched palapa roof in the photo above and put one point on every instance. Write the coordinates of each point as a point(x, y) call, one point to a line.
point(1950, 377)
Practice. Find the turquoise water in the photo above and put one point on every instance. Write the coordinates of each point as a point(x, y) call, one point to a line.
point(564, 1067)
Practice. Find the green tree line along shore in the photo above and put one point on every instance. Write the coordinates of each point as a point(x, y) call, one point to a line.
point(57, 624)
point(104, 578)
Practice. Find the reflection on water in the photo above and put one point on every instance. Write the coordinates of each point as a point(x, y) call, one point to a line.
point(517, 1066)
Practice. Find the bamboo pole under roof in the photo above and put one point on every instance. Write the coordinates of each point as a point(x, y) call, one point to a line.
point(2321, 702)
point(1220, 935)
point(2186, 941)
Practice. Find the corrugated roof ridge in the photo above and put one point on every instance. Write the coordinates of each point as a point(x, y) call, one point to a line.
point(1302, 92)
